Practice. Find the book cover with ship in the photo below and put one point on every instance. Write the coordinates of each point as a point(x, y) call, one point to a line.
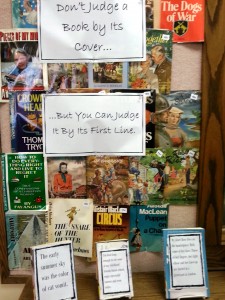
point(161, 175)
point(26, 121)
point(20, 66)
point(185, 18)
point(155, 72)
point(178, 123)
point(110, 222)
point(146, 224)
point(71, 219)
point(24, 13)
point(25, 181)
point(65, 76)
point(66, 177)
point(23, 230)
point(107, 179)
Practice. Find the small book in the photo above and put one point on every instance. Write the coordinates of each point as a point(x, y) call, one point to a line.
point(185, 264)
point(53, 271)
point(114, 269)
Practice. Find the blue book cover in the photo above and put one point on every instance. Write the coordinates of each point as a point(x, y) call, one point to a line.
point(24, 13)
point(146, 224)
point(185, 263)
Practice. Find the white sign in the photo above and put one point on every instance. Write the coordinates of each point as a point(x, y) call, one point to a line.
point(54, 276)
point(90, 30)
point(89, 124)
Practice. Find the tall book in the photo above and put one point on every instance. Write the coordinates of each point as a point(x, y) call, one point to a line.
point(23, 230)
point(185, 18)
point(26, 121)
point(71, 219)
point(185, 264)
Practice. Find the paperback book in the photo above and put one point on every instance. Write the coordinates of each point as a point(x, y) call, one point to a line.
point(185, 264)
point(26, 121)
point(185, 18)
point(107, 179)
point(21, 69)
point(146, 224)
point(23, 230)
point(25, 181)
point(24, 14)
point(71, 219)
point(66, 177)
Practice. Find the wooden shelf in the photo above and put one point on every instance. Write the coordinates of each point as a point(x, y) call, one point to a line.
point(146, 286)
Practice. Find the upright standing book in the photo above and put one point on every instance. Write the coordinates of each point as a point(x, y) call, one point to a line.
point(185, 263)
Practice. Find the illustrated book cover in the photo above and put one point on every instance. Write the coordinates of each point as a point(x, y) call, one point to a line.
point(24, 13)
point(66, 177)
point(25, 109)
point(20, 66)
point(146, 224)
point(168, 175)
point(178, 124)
point(110, 222)
point(114, 269)
point(25, 181)
point(155, 72)
point(71, 219)
point(23, 230)
point(185, 264)
point(185, 18)
point(107, 179)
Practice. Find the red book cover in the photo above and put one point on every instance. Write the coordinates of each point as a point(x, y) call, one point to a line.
point(185, 18)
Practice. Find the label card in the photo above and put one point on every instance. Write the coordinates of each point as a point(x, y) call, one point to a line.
point(114, 272)
point(88, 124)
point(54, 276)
point(90, 30)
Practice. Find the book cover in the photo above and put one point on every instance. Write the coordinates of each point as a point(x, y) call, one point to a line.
point(114, 270)
point(25, 181)
point(64, 76)
point(185, 18)
point(149, 112)
point(107, 179)
point(155, 72)
point(177, 119)
point(168, 174)
point(110, 222)
point(20, 66)
point(149, 9)
point(108, 75)
point(23, 230)
point(146, 224)
point(71, 219)
point(185, 264)
point(24, 14)
point(66, 177)
point(25, 109)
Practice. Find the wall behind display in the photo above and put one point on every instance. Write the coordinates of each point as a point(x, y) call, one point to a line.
point(186, 75)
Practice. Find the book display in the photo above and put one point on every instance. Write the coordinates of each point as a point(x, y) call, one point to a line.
point(111, 150)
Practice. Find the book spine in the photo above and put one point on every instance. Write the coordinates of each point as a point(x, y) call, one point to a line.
point(12, 121)
point(4, 188)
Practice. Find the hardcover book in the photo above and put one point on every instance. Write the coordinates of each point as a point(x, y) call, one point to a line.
point(110, 222)
point(21, 69)
point(185, 264)
point(23, 230)
point(146, 224)
point(71, 219)
point(155, 72)
point(66, 177)
point(185, 18)
point(25, 181)
point(107, 179)
point(26, 121)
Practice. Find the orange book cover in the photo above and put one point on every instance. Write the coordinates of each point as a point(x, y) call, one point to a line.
point(185, 18)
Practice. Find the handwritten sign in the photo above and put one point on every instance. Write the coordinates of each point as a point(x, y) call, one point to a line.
point(54, 276)
point(87, 124)
point(114, 271)
point(186, 260)
point(91, 30)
